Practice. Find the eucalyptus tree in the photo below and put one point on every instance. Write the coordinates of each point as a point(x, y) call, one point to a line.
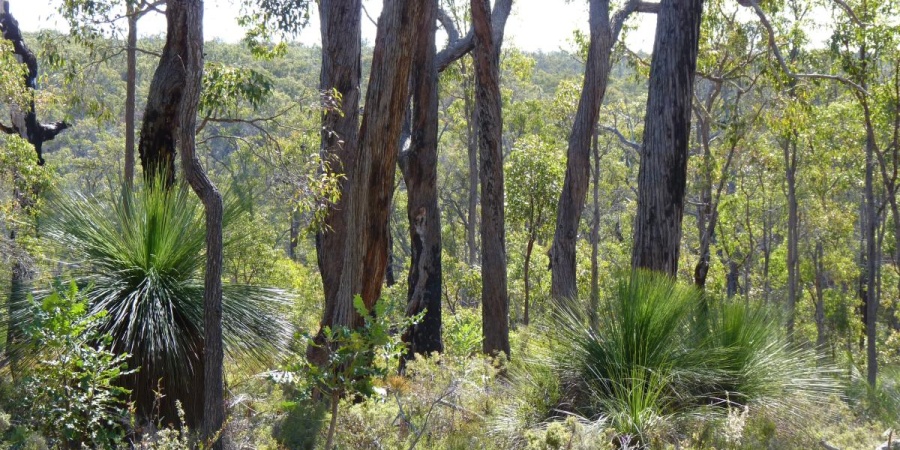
point(353, 249)
point(663, 173)
point(604, 32)
point(489, 126)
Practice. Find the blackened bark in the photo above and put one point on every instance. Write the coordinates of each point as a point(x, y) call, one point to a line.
point(594, 312)
point(25, 123)
point(494, 295)
point(872, 261)
point(157, 143)
point(419, 168)
point(663, 172)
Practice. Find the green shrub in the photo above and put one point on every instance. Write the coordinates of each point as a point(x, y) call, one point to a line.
point(69, 390)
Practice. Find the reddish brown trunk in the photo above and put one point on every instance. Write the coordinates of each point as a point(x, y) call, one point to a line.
point(494, 296)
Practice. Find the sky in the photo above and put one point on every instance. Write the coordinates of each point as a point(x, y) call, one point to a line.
point(534, 25)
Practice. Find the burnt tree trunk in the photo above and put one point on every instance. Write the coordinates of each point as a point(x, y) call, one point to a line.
point(130, 88)
point(789, 149)
point(25, 123)
point(157, 143)
point(594, 311)
point(419, 167)
point(663, 172)
point(489, 126)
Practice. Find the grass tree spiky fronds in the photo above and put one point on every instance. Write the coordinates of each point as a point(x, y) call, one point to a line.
point(140, 256)
point(662, 350)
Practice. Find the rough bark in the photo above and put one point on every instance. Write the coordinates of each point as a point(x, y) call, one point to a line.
point(663, 172)
point(594, 312)
point(340, 72)
point(419, 167)
point(494, 295)
point(370, 183)
point(604, 33)
point(157, 143)
point(130, 88)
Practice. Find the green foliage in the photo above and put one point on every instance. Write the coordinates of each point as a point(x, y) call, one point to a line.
point(224, 88)
point(69, 392)
point(140, 256)
point(662, 351)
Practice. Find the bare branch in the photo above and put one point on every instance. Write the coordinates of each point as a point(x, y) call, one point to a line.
point(459, 48)
point(849, 11)
point(628, 143)
point(447, 22)
point(787, 70)
point(366, 11)
point(633, 6)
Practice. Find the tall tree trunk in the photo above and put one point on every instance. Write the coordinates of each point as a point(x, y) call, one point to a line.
point(130, 88)
point(575, 184)
point(527, 269)
point(872, 262)
point(341, 36)
point(604, 33)
point(419, 168)
point(494, 295)
point(819, 292)
point(790, 160)
point(186, 18)
point(371, 181)
point(594, 313)
point(25, 124)
point(472, 153)
point(663, 173)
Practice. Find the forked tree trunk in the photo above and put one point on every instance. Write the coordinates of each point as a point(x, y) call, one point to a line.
point(370, 185)
point(494, 295)
point(663, 173)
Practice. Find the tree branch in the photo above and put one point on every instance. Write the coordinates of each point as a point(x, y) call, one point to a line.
point(768, 25)
point(459, 48)
point(628, 143)
point(633, 6)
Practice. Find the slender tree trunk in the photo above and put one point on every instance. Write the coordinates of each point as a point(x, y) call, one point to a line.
point(819, 291)
point(594, 312)
point(494, 295)
point(189, 14)
point(419, 168)
point(575, 185)
point(872, 261)
point(472, 153)
point(790, 161)
point(130, 88)
point(663, 173)
point(528, 250)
